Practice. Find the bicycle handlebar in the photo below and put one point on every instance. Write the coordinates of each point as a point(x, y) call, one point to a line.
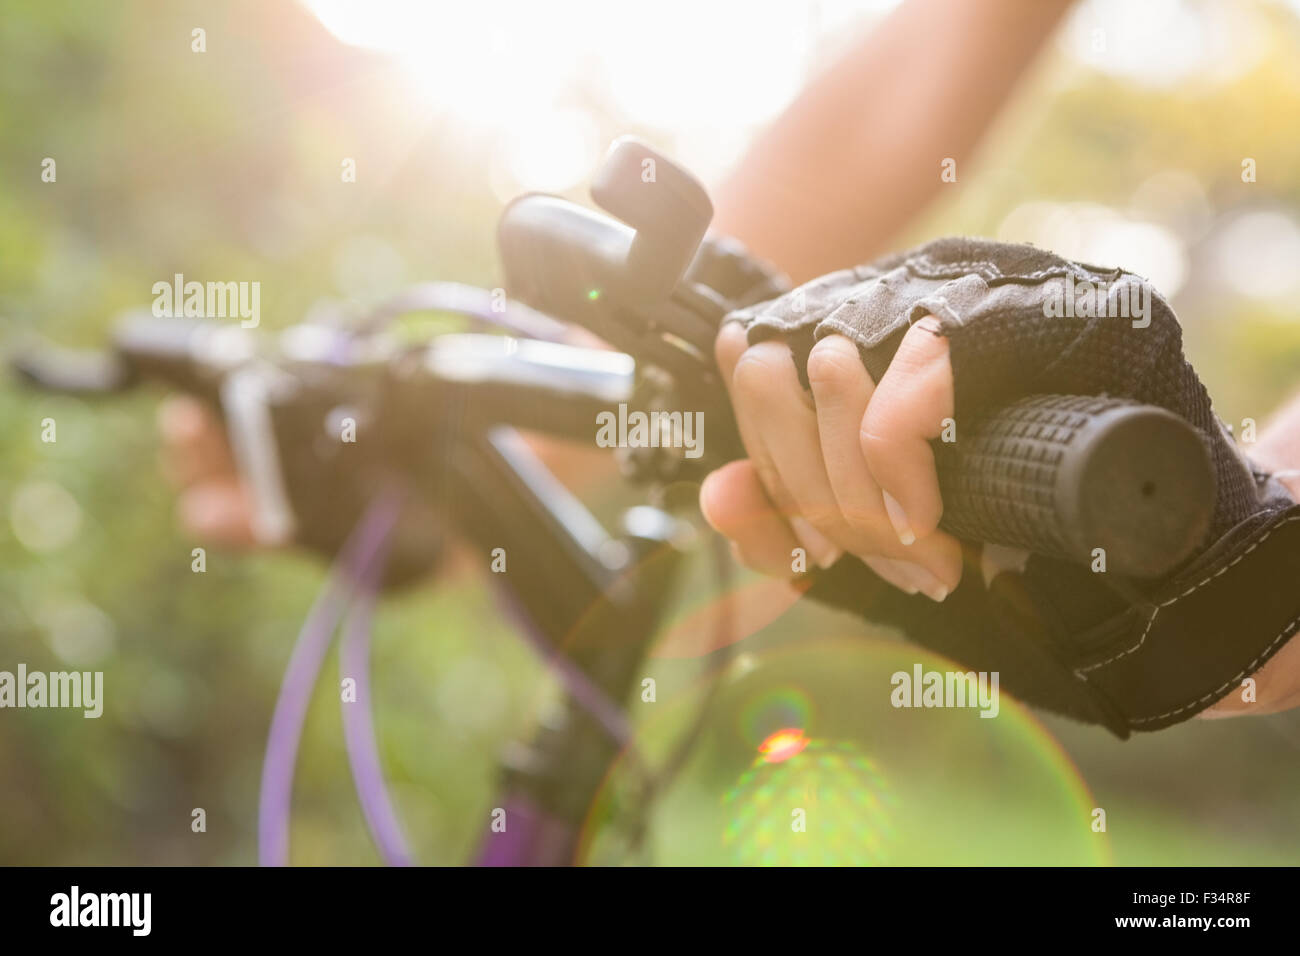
point(1065, 476)
point(1059, 475)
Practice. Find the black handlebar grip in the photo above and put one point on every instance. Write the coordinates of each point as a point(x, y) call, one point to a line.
point(1064, 475)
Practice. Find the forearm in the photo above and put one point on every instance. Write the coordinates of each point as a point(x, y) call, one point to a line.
point(858, 153)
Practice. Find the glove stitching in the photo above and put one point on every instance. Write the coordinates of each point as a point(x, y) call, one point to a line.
point(954, 269)
point(933, 305)
point(1286, 630)
point(981, 265)
point(1080, 671)
point(770, 317)
point(848, 331)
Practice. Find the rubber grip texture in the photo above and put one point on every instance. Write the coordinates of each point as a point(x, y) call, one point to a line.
point(1065, 475)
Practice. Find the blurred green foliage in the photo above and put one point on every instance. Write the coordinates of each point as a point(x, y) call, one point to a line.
point(227, 165)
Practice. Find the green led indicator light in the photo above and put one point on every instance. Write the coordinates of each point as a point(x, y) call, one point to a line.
point(593, 295)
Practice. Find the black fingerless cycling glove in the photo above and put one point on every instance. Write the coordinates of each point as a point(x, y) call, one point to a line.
point(1131, 655)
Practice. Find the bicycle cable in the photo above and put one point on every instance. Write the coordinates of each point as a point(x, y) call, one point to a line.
point(354, 579)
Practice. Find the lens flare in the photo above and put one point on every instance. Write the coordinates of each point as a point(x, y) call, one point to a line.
point(824, 805)
point(770, 714)
point(783, 745)
point(804, 761)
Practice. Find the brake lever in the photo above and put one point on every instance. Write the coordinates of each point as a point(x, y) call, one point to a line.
point(645, 279)
point(72, 371)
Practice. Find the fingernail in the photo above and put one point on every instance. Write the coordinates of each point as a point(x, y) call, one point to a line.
point(930, 584)
point(704, 501)
point(898, 518)
point(819, 547)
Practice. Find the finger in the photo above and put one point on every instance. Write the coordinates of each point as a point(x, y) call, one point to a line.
point(730, 346)
point(785, 432)
point(788, 431)
point(906, 410)
point(732, 349)
point(769, 398)
point(901, 574)
point(194, 444)
point(218, 511)
point(735, 505)
point(737, 359)
point(842, 389)
point(732, 343)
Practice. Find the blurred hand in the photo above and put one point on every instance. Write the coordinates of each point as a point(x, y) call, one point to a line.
point(847, 469)
point(214, 505)
point(196, 458)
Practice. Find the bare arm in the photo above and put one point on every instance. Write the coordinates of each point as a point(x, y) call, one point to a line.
point(858, 153)
point(1278, 448)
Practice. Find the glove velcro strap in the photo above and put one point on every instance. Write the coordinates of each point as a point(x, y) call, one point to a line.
point(1202, 634)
